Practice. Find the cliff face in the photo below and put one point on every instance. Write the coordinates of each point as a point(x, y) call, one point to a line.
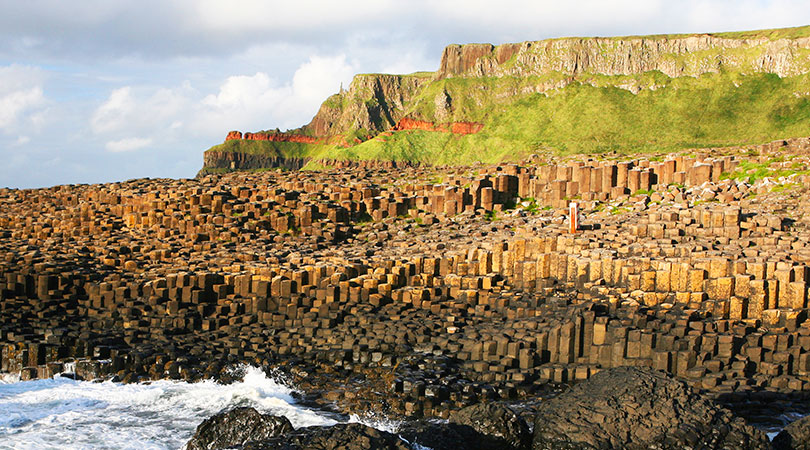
point(271, 137)
point(243, 161)
point(373, 103)
point(675, 57)
point(572, 94)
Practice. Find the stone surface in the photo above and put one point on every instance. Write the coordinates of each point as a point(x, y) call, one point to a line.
point(635, 409)
point(498, 424)
point(352, 436)
point(237, 427)
point(795, 436)
point(438, 288)
point(443, 436)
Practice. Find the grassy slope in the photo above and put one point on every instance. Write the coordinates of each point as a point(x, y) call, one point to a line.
point(770, 34)
point(683, 113)
point(286, 149)
point(591, 115)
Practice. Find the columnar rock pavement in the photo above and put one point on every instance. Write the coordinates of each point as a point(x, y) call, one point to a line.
point(418, 290)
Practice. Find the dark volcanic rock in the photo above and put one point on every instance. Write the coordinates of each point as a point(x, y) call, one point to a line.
point(500, 425)
point(477, 427)
point(441, 436)
point(352, 436)
point(795, 436)
point(237, 427)
point(636, 408)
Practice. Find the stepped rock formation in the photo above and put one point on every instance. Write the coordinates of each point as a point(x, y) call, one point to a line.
point(507, 94)
point(272, 137)
point(373, 102)
point(675, 57)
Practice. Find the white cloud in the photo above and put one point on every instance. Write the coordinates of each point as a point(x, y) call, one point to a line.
point(298, 16)
point(257, 102)
point(213, 28)
point(127, 144)
point(319, 78)
point(255, 64)
point(14, 104)
point(141, 110)
point(241, 92)
point(113, 113)
point(22, 98)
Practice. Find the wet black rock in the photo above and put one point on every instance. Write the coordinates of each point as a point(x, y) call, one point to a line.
point(353, 436)
point(795, 436)
point(237, 427)
point(501, 427)
point(636, 408)
point(478, 427)
point(440, 435)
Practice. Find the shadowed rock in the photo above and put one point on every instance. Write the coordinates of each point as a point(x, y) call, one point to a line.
point(477, 427)
point(636, 408)
point(352, 436)
point(500, 425)
point(795, 436)
point(237, 427)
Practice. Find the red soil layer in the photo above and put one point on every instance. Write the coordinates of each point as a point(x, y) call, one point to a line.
point(404, 124)
point(273, 137)
point(452, 127)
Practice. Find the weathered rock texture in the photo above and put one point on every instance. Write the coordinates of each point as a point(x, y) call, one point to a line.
point(674, 56)
point(795, 436)
point(497, 424)
point(352, 436)
point(273, 136)
point(237, 427)
point(244, 161)
point(423, 285)
point(636, 408)
point(374, 103)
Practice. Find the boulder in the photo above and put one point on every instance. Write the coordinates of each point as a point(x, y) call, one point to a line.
point(639, 408)
point(352, 436)
point(237, 427)
point(440, 435)
point(795, 436)
point(499, 424)
point(478, 427)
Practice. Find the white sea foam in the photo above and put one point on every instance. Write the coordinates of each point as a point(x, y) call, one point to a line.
point(64, 413)
point(379, 422)
point(6, 378)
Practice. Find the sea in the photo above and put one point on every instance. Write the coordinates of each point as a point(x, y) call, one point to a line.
point(63, 413)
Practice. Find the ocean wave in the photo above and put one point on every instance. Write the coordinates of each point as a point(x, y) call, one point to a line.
point(65, 413)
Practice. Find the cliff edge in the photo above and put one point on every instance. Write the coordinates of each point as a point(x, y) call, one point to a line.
point(494, 102)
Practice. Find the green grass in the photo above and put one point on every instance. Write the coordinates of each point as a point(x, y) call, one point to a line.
point(286, 149)
point(531, 206)
point(714, 110)
point(592, 114)
point(752, 172)
point(315, 166)
point(770, 34)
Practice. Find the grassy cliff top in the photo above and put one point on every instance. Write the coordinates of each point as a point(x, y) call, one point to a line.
point(771, 34)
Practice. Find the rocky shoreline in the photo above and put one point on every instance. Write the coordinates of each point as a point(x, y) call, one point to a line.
point(417, 291)
point(618, 408)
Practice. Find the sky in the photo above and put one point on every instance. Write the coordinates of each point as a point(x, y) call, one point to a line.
point(96, 91)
